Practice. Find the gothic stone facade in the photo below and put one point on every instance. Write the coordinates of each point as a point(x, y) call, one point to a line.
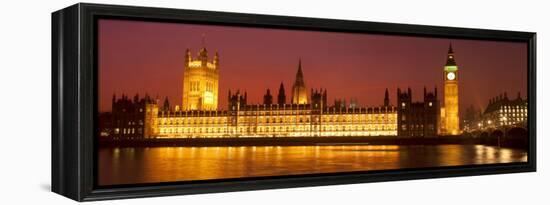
point(304, 116)
point(417, 119)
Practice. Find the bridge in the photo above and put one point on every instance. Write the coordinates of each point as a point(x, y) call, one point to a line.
point(512, 135)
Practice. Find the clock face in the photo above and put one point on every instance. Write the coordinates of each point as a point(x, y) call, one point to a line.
point(451, 76)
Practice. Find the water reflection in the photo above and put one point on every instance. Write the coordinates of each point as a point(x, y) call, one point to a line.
point(165, 164)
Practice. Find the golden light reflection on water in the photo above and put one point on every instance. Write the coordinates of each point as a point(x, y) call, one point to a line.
point(168, 164)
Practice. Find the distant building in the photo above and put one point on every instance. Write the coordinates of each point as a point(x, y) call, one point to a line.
point(500, 112)
point(128, 118)
point(417, 119)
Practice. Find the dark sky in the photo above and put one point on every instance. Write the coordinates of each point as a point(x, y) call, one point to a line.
point(147, 57)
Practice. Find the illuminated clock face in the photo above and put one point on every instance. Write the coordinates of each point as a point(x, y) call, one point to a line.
point(451, 76)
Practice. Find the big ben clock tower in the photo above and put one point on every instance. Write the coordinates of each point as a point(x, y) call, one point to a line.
point(450, 116)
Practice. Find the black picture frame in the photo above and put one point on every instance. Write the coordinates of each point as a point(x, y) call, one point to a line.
point(74, 96)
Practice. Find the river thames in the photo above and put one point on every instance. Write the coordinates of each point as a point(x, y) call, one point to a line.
point(169, 164)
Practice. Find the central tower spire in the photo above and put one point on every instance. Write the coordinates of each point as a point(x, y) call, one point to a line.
point(299, 75)
point(299, 91)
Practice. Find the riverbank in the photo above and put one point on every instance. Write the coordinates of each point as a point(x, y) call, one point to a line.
point(314, 141)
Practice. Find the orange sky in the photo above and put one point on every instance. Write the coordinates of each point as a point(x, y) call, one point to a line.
point(147, 57)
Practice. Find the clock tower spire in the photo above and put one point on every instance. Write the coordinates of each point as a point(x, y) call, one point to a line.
point(450, 115)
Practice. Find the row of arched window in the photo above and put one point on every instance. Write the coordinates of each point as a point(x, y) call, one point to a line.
point(277, 129)
point(282, 119)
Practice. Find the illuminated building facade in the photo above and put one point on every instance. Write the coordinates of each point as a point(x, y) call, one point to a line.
point(500, 112)
point(304, 115)
point(278, 120)
point(449, 114)
point(417, 119)
point(200, 82)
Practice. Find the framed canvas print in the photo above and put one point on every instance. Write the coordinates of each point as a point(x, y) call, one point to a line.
point(154, 102)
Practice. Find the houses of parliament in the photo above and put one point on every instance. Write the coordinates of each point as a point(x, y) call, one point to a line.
point(302, 112)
